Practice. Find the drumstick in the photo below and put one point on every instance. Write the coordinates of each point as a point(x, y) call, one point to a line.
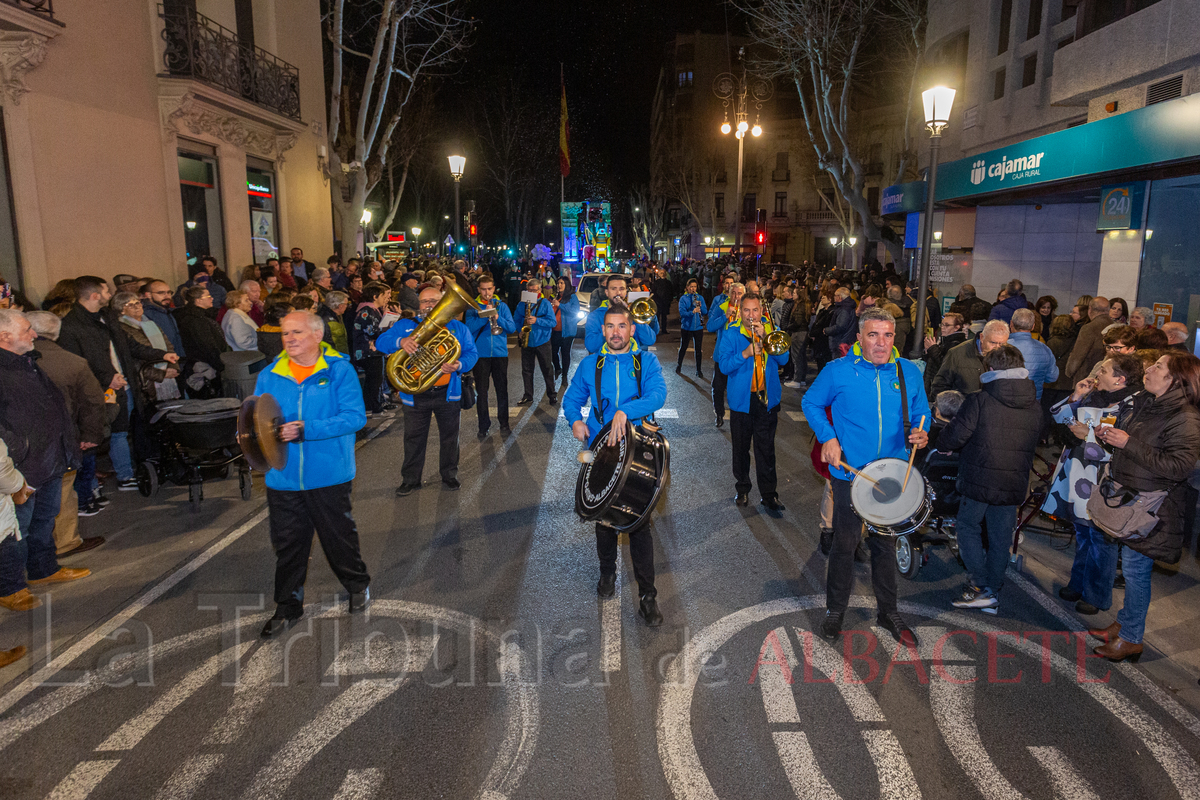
point(911, 457)
point(852, 470)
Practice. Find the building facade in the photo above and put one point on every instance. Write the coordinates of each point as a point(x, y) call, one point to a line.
point(139, 135)
point(1068, 110)
point(695, 165)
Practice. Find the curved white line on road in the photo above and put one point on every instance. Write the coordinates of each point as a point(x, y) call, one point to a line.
point(800, 765)
point(954, 711)
point(778, 700)
point(896, 779)
point(1067, 782)
point(80, 782)
point(251, 692)
point(184, 781)
point(360, 784)
point(855, 695)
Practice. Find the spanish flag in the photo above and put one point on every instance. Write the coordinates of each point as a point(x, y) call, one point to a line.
point(564, 135)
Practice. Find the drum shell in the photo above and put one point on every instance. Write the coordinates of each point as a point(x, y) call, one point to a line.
point(903, 524)
point(632, 489)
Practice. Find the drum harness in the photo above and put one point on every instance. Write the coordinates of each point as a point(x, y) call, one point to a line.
point(637, 374)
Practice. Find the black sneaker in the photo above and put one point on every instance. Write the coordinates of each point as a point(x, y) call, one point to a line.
point(451, 484)
point(101, 500)
point(127, 485)
point(826, 540)
point(482, 434)
point(831, 628)
point(648, 610)
point(277, 625)
point(406, 489)
point(524, 401)
point(894, 624)
point(89, 509)
point(360, 600)
point(1084, 607)
point(505, 430)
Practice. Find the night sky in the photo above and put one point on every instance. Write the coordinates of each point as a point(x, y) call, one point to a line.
point(611, 51)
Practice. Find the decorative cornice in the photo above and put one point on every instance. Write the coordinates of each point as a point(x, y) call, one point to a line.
point(188, 113)
point(19, 53)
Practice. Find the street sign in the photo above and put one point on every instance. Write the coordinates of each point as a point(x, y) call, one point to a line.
point(449, 241)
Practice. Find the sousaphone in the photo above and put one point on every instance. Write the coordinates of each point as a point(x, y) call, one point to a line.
point(259, 421)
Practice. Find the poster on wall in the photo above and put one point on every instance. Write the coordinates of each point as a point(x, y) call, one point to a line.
point(949, 269)
point(1162, 314)
point(262, 223)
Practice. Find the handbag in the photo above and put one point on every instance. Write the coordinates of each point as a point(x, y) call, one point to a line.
point(468, 392)
point(1121, 512)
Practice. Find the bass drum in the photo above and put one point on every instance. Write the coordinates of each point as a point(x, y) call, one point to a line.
point(621, 485)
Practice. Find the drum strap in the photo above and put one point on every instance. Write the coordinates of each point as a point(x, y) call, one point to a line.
point(905, 420)
point(598, 405)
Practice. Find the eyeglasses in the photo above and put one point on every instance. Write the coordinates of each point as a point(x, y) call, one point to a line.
point(132, 303)
point(1117, 348)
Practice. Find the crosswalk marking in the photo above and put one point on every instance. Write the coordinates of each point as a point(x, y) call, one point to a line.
point(667, 413)
point(797, 416)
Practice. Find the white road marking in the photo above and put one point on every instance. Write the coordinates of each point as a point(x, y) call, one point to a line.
point(797, 416)
point(360, 784)
point(808, 782)
point(133, 731)
point(610, 629)
point(667, 413)
point(250, 693)
point(896, 779)
point(382, 654)
point(184, 781)
point(855, 695)
point(80, 782)
point(954, 711)
point(1067, 782)
point(778, 699)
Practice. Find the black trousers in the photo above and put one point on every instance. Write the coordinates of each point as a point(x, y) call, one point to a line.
point(495, 368)
point(542, 354)
point(694, 337)
point(560, 352)
point(719, 382)
point(416, 434)
point(373, 393)
point(755, 427)
point(664, 308)
point(847, 530)
point(293, 516)
point(641, 551)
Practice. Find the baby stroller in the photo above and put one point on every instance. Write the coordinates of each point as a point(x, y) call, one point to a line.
point(194, 438)
point(940, 471)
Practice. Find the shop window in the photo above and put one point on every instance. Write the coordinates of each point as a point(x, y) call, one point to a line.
point(749, 208)
point(685, 79)
point(1029, 71)
point(998, 83)
point(1168, 274)
point(719, 204)
point(204, 232)
point(1034, 27)
point(10, 254)
point(1005, 24)
point(264, 224)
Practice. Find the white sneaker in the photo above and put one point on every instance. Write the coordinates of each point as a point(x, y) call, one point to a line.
point(793, 384)
point(983, 599)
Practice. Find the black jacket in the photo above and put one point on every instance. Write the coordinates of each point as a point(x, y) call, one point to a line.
point(89, 334)
point(1164, 443)
point(974, 308)
point(936, 354)
point(202, 336)
point(997, 430)
point(34, 421)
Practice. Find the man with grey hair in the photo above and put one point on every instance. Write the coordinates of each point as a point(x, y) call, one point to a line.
point(871, 415)
point(1089, 345)
point(333, 311)
point(253, 290)
point(1177, 334)
point(37, 429)
point(964, 363)
point(1039, 359)
point(841, 329)
point(1014, 300)
point(971, 307)
point(322, 279)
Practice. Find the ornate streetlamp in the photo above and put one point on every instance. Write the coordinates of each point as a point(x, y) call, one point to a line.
point(938, 102)
point(739, 91)
point(457, 163)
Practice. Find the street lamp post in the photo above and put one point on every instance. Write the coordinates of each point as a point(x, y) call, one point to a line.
point(457, 163)
point(938, 102)
point(735, 90)
point(416, 232)
point(841, 246)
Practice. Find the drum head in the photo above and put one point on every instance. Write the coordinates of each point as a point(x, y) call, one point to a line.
point(884, 503)
point(602, 479)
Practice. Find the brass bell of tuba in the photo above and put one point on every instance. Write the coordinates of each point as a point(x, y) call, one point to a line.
point(416, 373)
point(777, 343)
point(643, 311)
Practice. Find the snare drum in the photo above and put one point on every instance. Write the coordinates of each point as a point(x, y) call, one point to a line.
point(883, 507)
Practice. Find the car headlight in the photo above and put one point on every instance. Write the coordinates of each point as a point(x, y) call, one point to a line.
point(582, 315)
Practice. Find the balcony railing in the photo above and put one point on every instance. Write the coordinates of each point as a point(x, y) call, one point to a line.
point(43, 8)
point(198, 48)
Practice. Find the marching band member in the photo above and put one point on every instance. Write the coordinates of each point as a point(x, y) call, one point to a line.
point(490, 323)
point(754, 394)
point(539, 317)
point(721, 316)
point(638, 396)
point(443, 401)
point(317, 389)
point(617, 292)
point(566, 310)
point(692, 309)
point(862, 389)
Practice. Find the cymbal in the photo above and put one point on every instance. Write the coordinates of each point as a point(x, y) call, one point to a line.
point(258, 433)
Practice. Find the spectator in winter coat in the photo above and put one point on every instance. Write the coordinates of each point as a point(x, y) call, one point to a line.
point(1039, 358)
point(156, 305)
point(843, 326)
point(997, 430)
point(241, 332)
point(1089, 347)
point(368, 318)
point(1014, 301)
point(952, 334)
point(203, 339)
point(964, 363)
point(973, 309)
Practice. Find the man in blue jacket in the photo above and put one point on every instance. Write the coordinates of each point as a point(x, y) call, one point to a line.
point(754, 394)
point(642, 392)
point(318, 391)
point(692, 310)
point(539, 316)
point(443, 400)
point(156, 305)
point(616, 289)
point(862, 391)
point(720, 316)
point(490, 322)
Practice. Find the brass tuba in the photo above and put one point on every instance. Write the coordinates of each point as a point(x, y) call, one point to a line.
point(644, 310)
point(777, 343)
point(437, 346)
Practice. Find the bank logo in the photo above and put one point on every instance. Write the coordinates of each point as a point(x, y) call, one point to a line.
point(978, 172)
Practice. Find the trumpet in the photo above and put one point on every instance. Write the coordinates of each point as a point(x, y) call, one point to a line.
point(492, 307)
point(644, 311)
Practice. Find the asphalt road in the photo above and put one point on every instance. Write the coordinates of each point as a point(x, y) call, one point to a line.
point(488, 668)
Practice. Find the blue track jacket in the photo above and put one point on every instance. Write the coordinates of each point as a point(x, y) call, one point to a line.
point(865, 400)
point(741, 369)
point(593, 336)
point(718, 321)
point(687, 304)
point(330, 404)
point(389, 342)
point(569, 313)
point(490, 346)
point(618, 380)
point(542, 325)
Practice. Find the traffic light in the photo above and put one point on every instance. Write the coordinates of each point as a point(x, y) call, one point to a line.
point(760, 227)
point(474, 230)
point(760, 237)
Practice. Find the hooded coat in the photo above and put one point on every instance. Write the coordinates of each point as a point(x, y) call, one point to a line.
point(996, 430)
